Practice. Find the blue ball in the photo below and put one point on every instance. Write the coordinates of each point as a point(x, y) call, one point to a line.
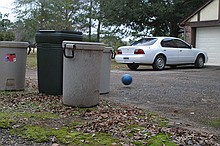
point(126, 79)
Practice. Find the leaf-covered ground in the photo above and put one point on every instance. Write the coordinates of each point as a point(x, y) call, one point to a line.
point(30, 118)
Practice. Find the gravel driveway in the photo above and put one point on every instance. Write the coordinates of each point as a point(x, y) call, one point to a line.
point(188, 97)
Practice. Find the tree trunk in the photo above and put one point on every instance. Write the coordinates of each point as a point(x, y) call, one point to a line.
point(174, 30)
point(98, 31)
point(90, 20)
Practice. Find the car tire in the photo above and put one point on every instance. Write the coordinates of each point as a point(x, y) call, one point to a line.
point(132, 66)
point(199, 63)
point(159, 63)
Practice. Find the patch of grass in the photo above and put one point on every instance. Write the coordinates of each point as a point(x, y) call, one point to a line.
point(154, 118)
point(6, 123)
point(33, 107)
point(28, 119)
point(6, 115)
point(35, 127)
point(39, 132)
point(39, 116)
point(115, 65)
point(35, 133)
point(8, 119)
point(65, 136)
point(215, 122)
point(163, 122)
point(75, 123)
point(6, 93)
point(32, 61)
point(134, 129)
point(159, 140)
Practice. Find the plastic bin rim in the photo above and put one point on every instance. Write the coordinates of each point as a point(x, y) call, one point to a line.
point(84, 45)
point(59, 31)
point(14, 44)
point(107, 50)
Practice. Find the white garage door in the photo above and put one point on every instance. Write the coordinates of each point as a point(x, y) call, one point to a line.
point(208, 38)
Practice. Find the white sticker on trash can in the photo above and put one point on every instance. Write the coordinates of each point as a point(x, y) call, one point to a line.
point(10, 57)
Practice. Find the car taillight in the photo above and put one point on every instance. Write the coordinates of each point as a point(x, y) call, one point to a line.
point(119, 52)
point(139, 51)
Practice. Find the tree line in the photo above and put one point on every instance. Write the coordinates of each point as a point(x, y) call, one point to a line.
point(100, 20)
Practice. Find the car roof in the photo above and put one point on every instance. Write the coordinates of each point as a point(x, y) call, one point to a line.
point(162, 37)
point(159, 38)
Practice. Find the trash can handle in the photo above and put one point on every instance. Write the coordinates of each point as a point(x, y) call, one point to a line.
point(113, 53)
point(72, 49)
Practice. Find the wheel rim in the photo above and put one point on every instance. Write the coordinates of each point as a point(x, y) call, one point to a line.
point(160, 63)
point(201, 62)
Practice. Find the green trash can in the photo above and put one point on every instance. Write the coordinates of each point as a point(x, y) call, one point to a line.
point(50, 59)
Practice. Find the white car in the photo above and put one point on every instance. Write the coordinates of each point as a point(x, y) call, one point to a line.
point(159, 52)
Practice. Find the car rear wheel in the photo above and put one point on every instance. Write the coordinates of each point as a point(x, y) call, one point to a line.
point(159, 63)
point(199, 63)
point(132, 66)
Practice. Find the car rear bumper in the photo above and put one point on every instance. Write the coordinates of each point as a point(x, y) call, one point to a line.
point(140, 59)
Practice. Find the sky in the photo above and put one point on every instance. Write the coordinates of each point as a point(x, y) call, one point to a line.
point(6, 7)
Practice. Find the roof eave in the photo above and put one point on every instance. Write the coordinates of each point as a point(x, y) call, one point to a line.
point(193, 14)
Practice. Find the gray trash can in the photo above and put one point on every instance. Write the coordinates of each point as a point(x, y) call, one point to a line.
point(105, 71)
point(82, 66)
point(13, 56)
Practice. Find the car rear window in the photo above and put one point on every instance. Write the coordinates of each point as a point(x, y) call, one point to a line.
point(145, 42)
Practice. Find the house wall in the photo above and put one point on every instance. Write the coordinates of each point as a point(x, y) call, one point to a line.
point(210, 12)
point(194, 18)
point(208, 16)
point(188, 36)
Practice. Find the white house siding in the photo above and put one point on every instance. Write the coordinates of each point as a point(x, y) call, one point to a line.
point(210, 12)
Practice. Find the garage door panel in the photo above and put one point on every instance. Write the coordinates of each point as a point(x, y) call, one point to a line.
point(208, 38)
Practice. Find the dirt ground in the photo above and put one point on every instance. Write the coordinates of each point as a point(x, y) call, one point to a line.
point(189, 97)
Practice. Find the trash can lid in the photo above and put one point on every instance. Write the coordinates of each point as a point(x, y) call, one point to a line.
point(57, 37)
point(59, 31)
point(83, 45)
point(13, 44)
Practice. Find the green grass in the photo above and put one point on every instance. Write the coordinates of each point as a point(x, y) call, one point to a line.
point(160, 140)
point(6, 93)
point(32, 63)
point(213, 122)
point(64, 135)
point(6, 123)
point(36, 126)
point(115, 66)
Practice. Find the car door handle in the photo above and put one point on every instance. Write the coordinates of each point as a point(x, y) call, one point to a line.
point(181, 50)
point(164, 50)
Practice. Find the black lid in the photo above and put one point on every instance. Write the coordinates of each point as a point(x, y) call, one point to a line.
point(60, 31)
point(57, 36)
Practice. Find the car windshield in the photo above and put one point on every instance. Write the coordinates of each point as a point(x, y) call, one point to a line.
point(145, 42)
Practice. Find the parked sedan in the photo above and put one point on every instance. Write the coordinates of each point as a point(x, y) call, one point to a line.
point(160, 52)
